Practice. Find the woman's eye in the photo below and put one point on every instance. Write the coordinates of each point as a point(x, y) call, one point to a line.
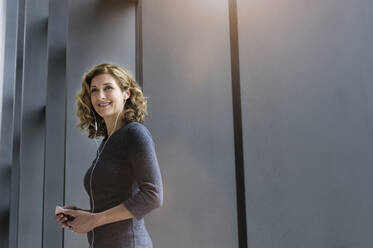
point(106, 88)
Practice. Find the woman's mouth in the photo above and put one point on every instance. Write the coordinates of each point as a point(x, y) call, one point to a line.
point(104, 105)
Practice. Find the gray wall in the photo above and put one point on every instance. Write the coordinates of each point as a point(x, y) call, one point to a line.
point(7, 127)
point(4, 171)
point(2, 45)
point(186, 70)
point(306, 82)
point(207, 195)
point(22, 139)
point(32, 125)
point(306, 78)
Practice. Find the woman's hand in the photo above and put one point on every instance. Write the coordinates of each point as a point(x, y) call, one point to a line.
point(63, 218)
point(83, 221)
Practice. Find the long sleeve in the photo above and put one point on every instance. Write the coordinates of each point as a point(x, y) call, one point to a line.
point(146, 172)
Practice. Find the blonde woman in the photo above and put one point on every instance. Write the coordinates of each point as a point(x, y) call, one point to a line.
point(124, 182)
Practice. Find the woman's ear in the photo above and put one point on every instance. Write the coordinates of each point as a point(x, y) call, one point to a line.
point(126, 94)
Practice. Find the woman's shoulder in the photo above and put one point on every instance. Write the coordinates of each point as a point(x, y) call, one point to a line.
point(138, 135)
point(133, 125)
point(137, 129)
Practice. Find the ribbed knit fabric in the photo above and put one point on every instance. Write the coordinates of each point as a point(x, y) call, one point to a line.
point(127, 172)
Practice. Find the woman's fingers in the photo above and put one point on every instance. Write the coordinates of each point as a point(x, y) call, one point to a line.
point(61, 217)
point(63, 225)
point(71, 207)
point(66, 224)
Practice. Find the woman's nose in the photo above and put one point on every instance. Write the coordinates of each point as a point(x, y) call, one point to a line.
point(101, 94)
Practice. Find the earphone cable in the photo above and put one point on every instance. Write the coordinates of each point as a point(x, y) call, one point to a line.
point(98, 156)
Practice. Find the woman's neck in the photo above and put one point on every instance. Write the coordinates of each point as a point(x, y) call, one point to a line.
point(111, 127)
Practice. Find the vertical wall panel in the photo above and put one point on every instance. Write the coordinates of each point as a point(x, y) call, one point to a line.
point(32, 135)
point(187, 77)
point(98, 32)
point(55, 137)
point(2, 55)
point(307, 121)
point(7, 225)
point(15, 139)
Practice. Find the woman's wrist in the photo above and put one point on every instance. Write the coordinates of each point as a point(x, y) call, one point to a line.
point(118, 213)
point(99, 219)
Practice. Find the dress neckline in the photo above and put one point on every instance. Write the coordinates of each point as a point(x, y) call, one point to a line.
point(106, 137)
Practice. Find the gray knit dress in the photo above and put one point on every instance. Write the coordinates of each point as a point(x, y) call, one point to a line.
point(127, 172)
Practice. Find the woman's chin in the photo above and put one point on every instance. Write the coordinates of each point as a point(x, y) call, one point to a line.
point(104, 113)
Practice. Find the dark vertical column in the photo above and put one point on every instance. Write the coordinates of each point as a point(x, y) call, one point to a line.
point(8, 167)
point(237, 120)
point(139, 76)
point(32, 124)
point(54, 187)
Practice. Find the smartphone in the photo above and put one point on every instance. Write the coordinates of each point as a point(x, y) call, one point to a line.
point(59, 210)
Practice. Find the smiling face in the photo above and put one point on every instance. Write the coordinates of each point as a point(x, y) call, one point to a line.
point(106, 96)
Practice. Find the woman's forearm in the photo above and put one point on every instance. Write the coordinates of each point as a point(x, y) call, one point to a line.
point(117, 213)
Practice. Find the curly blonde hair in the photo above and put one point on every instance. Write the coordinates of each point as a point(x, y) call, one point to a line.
point(135, 108)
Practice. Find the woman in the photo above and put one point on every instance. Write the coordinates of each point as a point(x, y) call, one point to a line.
point(124, 182)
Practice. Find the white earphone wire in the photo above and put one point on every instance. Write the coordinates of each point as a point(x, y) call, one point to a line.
point(98, 156)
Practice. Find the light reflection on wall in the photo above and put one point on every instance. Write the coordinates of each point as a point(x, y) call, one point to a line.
point(2, 41)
